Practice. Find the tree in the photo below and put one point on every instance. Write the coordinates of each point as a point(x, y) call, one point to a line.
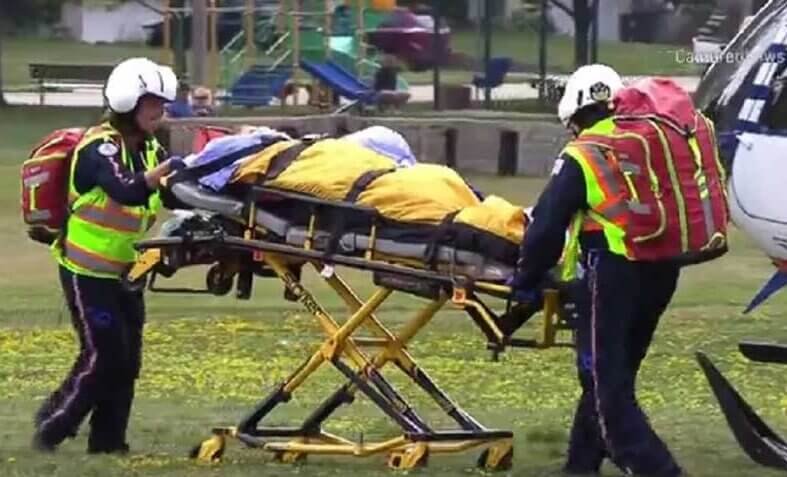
point(27, 14)
point(2, 29)
point(2, 96)
point(583, 13)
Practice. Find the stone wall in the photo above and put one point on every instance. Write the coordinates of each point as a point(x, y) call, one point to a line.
point(525, 146)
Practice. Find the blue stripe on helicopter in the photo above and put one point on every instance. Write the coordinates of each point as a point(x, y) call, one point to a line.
point(776, 283)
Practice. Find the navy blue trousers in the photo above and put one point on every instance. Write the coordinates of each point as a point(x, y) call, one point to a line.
point(108, 321)
point(620, 303)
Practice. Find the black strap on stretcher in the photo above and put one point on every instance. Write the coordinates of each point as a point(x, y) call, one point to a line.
point(439, 235)
point(363, 182)
point(279, 163)
point(282, 160)
point(360, 185)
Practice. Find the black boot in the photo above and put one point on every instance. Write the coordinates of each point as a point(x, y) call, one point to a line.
point(41, 444)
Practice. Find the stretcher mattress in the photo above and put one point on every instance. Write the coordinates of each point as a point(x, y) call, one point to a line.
point(294, 233)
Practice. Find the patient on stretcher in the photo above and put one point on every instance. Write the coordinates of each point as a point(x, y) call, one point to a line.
point(424, 213)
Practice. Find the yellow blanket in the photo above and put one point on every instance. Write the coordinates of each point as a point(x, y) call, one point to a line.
point(424, 193)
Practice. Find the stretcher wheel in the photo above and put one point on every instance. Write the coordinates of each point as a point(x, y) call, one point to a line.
point(410, 457)
point(289, 457)
point(218, 282)
point(210, 450)
point(498, 457)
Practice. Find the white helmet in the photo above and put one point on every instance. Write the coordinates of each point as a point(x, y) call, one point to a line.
point(587, 85)
point(136, 77)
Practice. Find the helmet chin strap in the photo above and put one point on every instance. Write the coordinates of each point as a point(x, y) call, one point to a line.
point(126, 124)
point(588, 116)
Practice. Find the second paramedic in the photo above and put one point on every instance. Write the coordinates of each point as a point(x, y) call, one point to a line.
point(620, 301)
point(113, 201)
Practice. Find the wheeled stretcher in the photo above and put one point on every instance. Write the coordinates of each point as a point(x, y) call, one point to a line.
point(271, 233)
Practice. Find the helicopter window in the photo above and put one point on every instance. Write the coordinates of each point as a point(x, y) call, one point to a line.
point(776, 109)
point(721, 92)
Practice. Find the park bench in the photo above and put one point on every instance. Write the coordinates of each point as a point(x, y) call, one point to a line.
point(68, 75)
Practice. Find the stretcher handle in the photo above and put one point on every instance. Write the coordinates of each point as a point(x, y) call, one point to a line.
point(194, 291)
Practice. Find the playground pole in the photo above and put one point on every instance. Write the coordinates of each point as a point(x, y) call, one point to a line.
point(296, 45)
point(166, 42)
point(180, 46)
point(280, 25)
point(326, 37)
point(436, 53)
point(594, 32)
point(359, 35)
point(213, 49)
point(248, 31)
point(487, 51)
point(542, 51)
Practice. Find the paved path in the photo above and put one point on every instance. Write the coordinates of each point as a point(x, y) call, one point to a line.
point(419, 94)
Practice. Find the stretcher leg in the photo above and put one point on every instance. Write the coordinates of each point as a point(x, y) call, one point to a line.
point(331, 351)
point(396, 352)
point(410, 450)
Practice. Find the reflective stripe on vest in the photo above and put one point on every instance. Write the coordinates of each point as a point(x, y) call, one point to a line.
point(605, 198)
point(100, 232)
point(88, 260)
point(604, 194)
point(111, 217)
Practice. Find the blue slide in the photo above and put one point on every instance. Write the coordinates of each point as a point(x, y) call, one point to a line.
point(340, 80)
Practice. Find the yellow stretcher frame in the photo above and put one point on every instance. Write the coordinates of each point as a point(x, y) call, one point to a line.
point(342, 346)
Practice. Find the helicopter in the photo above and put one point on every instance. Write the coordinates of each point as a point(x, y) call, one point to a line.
point(744, 91)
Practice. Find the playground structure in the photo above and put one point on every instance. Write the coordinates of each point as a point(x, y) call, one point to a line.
point(282, 46)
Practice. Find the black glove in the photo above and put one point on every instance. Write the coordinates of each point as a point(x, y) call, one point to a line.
point(176, 163)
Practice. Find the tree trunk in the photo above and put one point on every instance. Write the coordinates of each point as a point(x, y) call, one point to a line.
point(2, 97)
point(582, 19)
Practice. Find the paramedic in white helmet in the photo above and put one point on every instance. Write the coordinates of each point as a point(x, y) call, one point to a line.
point(113, 201)
point(619, 302)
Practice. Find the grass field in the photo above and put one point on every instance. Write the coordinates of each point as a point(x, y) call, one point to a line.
point(207, 359)
point(629, 58)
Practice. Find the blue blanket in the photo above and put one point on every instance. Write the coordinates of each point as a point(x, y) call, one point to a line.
point(233, 150)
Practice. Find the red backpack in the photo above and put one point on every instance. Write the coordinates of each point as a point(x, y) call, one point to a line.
point(667, 160)
point(45, 183)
